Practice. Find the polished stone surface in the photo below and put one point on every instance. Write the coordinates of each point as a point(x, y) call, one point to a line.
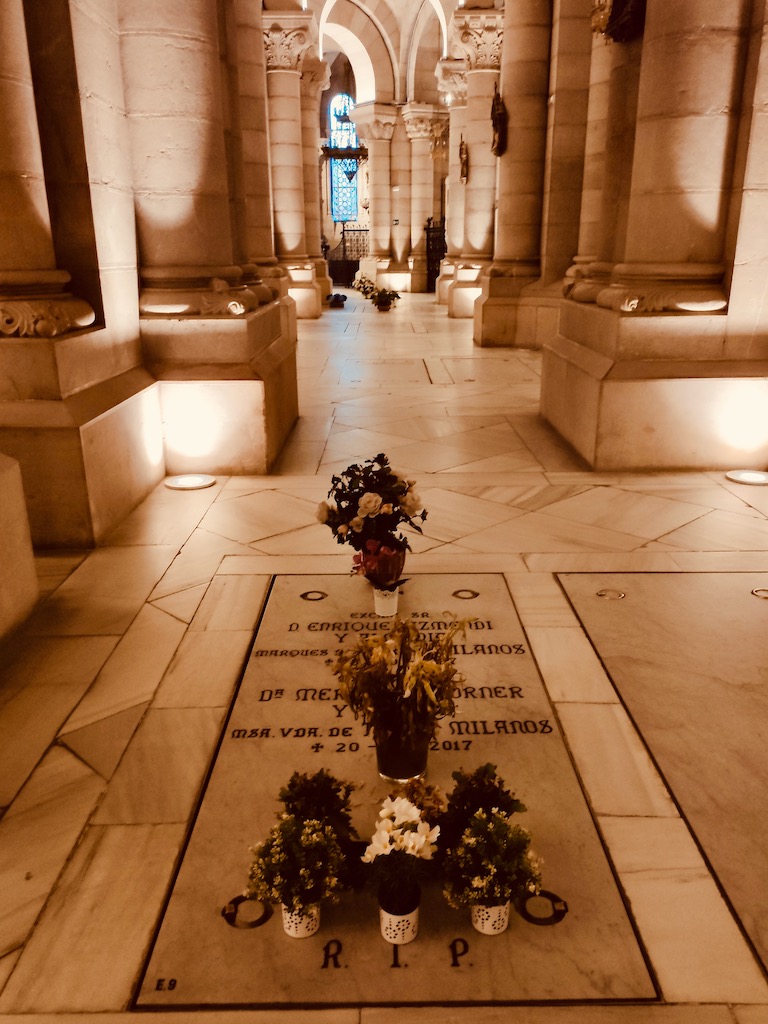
point(77, 944)
point(287, 717)
point(680, 652)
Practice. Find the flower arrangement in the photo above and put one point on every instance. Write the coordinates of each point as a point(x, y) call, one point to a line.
point(368, 506)
point(398, 682)
point(492, 864)
point(480, 790)
point(299, 864)
point(369, 290)
point(403, 839)
point(323, 797)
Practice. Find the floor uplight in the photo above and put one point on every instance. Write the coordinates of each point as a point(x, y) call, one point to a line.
point(190, 481)
point(747, 476)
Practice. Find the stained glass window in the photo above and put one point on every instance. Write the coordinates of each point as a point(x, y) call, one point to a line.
point(343, 171)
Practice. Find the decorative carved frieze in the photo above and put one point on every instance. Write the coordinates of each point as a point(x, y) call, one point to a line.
point(288, 41)
point(220, 299)
point(44, 318)
point(315, 77)
point(477, 38)
point(663, 299)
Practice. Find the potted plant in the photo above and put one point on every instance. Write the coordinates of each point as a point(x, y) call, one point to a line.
point(401, 684)
point(323, 797)
point(491, 866)
point(402, 841)
point(382, 298)
point(480, 790)
point(368, 506)
point(336, 300)
point(300, 865)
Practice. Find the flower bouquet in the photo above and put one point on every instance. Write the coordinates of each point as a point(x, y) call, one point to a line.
point(300, 864)
point(491, 866)
point(480, 790)
point(368, 506)
point(401, 684)
point(402, 841)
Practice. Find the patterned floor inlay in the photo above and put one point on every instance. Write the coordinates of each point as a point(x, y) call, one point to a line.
point(288, 717)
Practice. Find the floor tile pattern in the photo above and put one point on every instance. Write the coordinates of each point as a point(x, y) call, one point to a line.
point(118, 659)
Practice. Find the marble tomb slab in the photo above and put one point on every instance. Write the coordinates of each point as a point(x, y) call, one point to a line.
point(687, 653)
point(287, 717)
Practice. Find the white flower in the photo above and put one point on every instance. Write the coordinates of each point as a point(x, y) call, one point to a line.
point(323, 510)
point(356, 524)
point(400, 810)
point(369, 505)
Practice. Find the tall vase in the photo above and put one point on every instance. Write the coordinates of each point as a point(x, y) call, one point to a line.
point(399, 913)
point(402, 759)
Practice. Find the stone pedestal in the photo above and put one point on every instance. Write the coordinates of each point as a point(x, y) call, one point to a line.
point(611, 389)
point(18, 580)
point(227, 389)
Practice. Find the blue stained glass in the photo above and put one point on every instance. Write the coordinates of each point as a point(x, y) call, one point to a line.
point(343, 172)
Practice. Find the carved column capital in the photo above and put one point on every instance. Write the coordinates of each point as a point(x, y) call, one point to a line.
point(419, 118)
point(315, 77)
point(374, 121)
point(289, 40)
point(477, 38)
point(451, 76)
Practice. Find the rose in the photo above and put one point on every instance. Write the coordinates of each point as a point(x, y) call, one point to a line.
point(369, 505)
point(323, 511)
point(410, 503)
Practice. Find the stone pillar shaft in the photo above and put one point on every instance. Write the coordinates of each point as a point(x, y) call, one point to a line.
point(172, 86)
point(480, 189)
point(254, 129)
point(375, 124)
point(314, 80)
point(287, 161)
point(33, 300)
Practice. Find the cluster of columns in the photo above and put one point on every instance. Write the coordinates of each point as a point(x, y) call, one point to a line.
point(649, 367)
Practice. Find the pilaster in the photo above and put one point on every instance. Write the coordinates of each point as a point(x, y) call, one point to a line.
point(375, 126)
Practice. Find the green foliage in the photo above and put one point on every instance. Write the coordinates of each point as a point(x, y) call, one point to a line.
point(480, 790)
point(300, 863)
point(492, 863)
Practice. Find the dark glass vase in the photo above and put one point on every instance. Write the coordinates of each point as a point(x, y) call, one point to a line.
point(384, 570)
point(401, 758)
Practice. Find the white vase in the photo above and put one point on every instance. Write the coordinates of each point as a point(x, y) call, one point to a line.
point(385, 602)
point(301, 924)
point(399, 929)
point(490, 920)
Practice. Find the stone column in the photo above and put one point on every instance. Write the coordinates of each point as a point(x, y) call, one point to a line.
point(502, 317)
point(34, 299)
point(419, 119)
point(315, 79)
point(179, 162)
point(643, 376)
point(288, 38)
point(476, 37)
point(225, 355)
point(254, 139)
point(452, 84)
point(375, 125)
point(673, 257)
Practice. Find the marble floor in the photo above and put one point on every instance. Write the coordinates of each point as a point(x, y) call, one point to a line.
point(113, 696)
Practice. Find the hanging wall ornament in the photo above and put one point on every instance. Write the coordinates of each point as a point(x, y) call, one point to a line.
point(619, 20)
point(499, 122)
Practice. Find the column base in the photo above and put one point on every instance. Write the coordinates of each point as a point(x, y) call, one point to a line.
point(228, 389)
point(647, 393)
point(445, 279)
point(465, 288)
point(515, 312)
point(18, 582)
point(86, 460)
point(304, 290)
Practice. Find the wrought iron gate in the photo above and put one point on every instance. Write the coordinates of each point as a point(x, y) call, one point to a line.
point(436, 250)
point(344, 258)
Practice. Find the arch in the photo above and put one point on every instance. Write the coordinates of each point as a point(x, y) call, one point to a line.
point(424, 21)
point(362, 65)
